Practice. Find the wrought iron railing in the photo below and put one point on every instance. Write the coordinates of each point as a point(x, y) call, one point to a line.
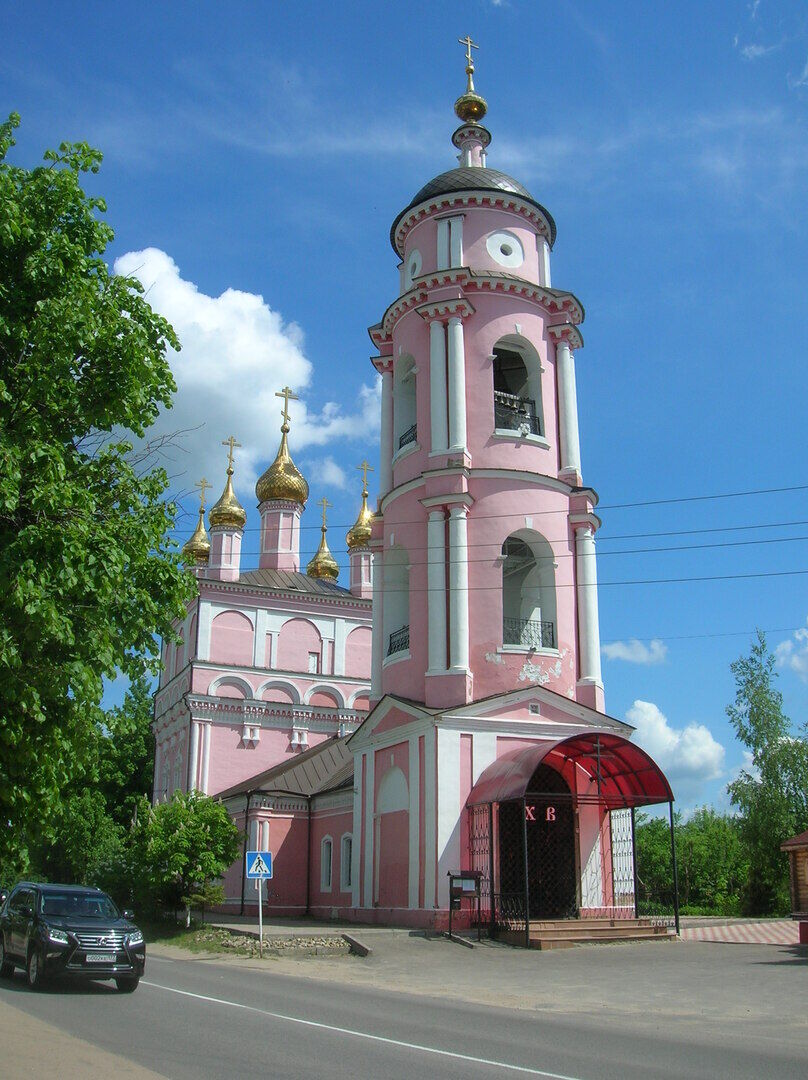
point(409, 436)
point(514, 413)
point(532, 633)
point(399, 641)
point(509, 911)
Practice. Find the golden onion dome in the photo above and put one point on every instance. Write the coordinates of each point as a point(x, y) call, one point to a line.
point(196, 550)
point(359, 533)
point(228, 511)
point(283, 480)
point(323, 565)
point(470, 107)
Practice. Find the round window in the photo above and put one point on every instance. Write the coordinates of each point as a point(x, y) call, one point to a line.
point(414, 264)
point(505, 249)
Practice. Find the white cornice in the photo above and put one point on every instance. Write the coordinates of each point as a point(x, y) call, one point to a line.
point(244, 588)
point(500, 200)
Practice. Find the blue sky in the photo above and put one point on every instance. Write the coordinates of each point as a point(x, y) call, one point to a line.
point(256, 154)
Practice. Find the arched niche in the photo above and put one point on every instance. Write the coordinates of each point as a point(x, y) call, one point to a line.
point(231, 639)
point(405, 419)
point(517, 386)
point(300, 647)
point(529, 606)
point(396, 606)
point(358, 647)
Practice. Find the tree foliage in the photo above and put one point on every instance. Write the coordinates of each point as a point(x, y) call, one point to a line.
point(181, 847)
point(88, 577)
point(772, 794)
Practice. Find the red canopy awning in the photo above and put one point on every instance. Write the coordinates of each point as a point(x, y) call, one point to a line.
point(628, 776)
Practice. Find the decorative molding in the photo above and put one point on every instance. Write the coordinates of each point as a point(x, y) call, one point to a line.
point(566, 332)
point(440, 309)
point(498, 200)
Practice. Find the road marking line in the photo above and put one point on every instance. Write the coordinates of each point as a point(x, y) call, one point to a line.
point(366, 1035)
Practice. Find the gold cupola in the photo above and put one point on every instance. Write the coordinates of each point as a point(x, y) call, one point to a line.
point(359, 533)
point(323, 565)
point(196, 550)
point(283, 480)
point(228, 511)
point(470, 107)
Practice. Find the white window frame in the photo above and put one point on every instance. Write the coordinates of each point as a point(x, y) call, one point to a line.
point(326, 883)
point(345, 844)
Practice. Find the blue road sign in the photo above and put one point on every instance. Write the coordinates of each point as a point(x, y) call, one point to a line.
point(259, 864)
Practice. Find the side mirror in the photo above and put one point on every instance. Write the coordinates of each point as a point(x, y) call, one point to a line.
point(129, 914)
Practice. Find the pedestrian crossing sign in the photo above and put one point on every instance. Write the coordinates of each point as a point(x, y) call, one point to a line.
point(259, 864)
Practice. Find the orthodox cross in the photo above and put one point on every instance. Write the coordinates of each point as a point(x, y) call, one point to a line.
point(287, 395)
point(231, 442)
point(469, 46)
point(325, 504)
point(203, 486)
point(365, 468)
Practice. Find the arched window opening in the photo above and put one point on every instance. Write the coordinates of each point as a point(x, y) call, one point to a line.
point(396, 606)
point(404, 404)
point(326, 853)
point(528, 592)
point(345, 857)
point(517, 388)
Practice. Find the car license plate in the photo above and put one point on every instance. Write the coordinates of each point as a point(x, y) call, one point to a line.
point(100, 958)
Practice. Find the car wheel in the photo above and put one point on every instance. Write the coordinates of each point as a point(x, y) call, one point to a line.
point(127, 986)
point(6, 965)
point(35, 969)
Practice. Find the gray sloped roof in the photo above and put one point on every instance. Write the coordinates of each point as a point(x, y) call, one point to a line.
point(319, 769)
point(471, 178)
point(294, 581)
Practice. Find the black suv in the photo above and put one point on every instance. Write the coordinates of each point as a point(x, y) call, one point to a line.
point(70, 930)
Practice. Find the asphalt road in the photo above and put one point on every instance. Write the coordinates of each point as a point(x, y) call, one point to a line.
point(197, 1019)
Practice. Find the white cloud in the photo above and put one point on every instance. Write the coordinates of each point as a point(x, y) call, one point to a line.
point(801, 79)
point(636, 652)
point(793, 654)
point(689, 754)
point(754, 52)
point(328, 473)
point(236, 352)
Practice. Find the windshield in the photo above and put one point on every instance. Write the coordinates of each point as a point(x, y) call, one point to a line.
point(89, 905)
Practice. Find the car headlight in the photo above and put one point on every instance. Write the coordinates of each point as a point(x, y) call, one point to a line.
point(135, 938)
point(58, 935)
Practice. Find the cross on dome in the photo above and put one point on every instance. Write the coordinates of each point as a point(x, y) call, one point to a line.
point(471, 107)
point(288, 395)
point(203, 486)
point(365, 467)
point(325, 505)
point(231, 443)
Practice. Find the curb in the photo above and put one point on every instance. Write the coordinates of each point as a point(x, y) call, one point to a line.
point(357, 947)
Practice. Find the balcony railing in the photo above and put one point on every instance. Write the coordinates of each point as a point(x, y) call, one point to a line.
point(399, 641)
point(408, 436)
point(529, 633)
point(515, 413)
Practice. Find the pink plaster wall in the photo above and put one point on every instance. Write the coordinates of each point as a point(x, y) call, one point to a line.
point(232, 761)
point(357, 652)
point(298, 638)
point(334, 824)
point(231, 639)
point(321, 697)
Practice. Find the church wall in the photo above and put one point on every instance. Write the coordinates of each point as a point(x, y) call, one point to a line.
point(334, 824)
point(231, 638)
point(233, 761)
point(357, 652)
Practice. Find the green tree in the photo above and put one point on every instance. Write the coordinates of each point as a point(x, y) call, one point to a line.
point(772, 795)
point(125, 751)
point(86, 842)
point(181, 847)
point(89, 579)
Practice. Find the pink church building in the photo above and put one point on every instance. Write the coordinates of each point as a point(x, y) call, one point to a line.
point(486, 747)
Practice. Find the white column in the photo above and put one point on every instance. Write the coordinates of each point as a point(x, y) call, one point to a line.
point(443, 244)
point(264, 836)
point(436, 590)
point(254, 834)
point(458, 590)
point(456, 241)
point(457, 385)
point(430, 810)
point(568, 409)
point(437, 386)
point(158, 758)
point(544, 262)
point(203, 787)
point(588, 627)
point(340, 636)
point(193, 762)
point(260, 642)
point(414, 837)
point(449, 810)
point(356, 834)
point(377, 616)
point(386, 449)
point(369, 757)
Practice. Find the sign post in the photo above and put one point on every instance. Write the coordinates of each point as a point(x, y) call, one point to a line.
point(259, 867)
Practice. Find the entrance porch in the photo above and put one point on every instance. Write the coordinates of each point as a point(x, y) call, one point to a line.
point(551, 831)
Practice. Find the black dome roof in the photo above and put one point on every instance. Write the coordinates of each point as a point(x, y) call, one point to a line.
point(472, 178)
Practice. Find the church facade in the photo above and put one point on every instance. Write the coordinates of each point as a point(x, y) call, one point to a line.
point(486, 749)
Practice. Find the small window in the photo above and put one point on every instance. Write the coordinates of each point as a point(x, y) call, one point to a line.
point(346, 855)
point(314, 663)
point(326, 851)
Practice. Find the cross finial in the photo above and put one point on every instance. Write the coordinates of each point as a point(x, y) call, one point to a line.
point(203, 486)
point(230, 442)
point(365, 468)
point(325, 505)
point(288, 395)
point(469, 46)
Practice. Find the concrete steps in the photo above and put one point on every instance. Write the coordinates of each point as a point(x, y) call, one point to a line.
point(565, 933)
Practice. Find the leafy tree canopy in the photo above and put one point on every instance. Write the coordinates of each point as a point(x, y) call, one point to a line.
point(88, 576)
point(772, 795)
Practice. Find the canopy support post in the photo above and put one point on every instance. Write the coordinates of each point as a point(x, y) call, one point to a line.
point(527, 885)
point(493, 929)
point(675, 871)
point(634, 863)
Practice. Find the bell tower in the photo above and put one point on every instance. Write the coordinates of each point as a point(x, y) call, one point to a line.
point(484, 575)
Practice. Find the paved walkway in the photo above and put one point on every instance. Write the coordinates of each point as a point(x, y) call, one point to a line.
point(770, 932)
